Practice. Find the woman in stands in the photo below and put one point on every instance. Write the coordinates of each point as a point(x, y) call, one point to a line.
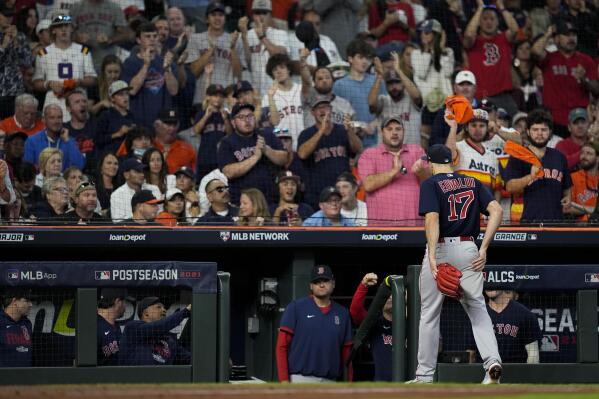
point(253, 209)
point(174, 209)
point(156, 172)
point(50, 165)
point(56, 198)
point(109, 72)
point(106, 180)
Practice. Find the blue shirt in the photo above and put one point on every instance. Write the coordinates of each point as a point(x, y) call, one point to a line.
point(542, 199)
point(236, 148)
point(211, 135)
point(515, 327)
point(356, 92)
point(458, 199)
point(381, 343)
point(153, 96)
point(109, 122)
point(71, 156)
point(15, 341)
point(318, 338)
point(327, 162)
point(109, 337)
point(152, 344)
point(319, 219)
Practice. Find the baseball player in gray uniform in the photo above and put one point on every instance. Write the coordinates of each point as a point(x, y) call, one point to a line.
point(451, 204)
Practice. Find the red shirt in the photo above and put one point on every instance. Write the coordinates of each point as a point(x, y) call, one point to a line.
point(180, 153)
point(562, 92)
point(394, 32)
point(490, 59)
point(571, 151)
point(10, 126)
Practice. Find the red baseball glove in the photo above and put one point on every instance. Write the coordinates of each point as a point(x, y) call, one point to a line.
point(448, 280)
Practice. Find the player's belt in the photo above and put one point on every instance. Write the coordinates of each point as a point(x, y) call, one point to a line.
point(443, 240)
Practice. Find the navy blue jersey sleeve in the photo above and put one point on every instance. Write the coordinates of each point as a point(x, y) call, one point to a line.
point(271, 139)
point(162, 326)
point(289, 318)
point(533, 331)
point(428, 198)
point(305, 135)
point(516, 169)
point(130, 67)
point(225, 154)
point(567, 182)
point(484, 196)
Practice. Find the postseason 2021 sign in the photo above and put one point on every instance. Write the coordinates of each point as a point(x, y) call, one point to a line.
point(200, 277)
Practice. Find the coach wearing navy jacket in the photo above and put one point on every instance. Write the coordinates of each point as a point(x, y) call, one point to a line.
point(148, 341)
point(15, 329)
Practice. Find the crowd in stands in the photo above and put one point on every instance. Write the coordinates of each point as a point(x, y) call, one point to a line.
point(292, 112)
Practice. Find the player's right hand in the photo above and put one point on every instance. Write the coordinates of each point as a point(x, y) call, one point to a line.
point(433, 266)
point(369, 279)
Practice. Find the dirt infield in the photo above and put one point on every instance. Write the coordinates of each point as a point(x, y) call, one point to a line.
point(357, 391)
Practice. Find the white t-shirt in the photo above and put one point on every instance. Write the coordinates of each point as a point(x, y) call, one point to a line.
point(53, 63)
point(483, 166)
point(259, 57)
point(359, 214)
point(408, 112)
point(289, 105)
point(554, 140)
point(221, 59)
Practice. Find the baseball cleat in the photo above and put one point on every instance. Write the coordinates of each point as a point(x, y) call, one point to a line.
point(420, 380)
point(493, 375)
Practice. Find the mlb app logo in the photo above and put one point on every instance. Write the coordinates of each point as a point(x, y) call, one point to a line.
point(591, 278)
point(103, 275)
point(13, 275)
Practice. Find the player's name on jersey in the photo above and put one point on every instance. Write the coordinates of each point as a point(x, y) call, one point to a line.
point(456, 183)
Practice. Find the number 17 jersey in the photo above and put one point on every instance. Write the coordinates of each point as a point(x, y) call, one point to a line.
point(458, 199)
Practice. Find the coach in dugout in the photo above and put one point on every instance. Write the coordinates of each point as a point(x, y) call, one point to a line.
point(15, 329)
point(148, 341)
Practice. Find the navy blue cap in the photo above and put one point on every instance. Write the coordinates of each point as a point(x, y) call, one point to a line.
point(438, 153)
point(241, 86)
point(215, 7)
point(321, 272)
point(327, 193)
point(133, 164)
point(238, 107)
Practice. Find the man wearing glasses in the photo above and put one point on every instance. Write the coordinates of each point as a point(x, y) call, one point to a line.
point(220, 211)
point(63, 65)
point(86, 201)
point(330, 210)
point(248, 156)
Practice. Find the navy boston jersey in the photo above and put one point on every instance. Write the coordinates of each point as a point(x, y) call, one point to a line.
point(152, 344)
point(381, 343)
point(15, 341)
point(515, 327)
point(317, 338)
point(458, 199)
point(236, 148)
point(109, 337)
point(542, 199)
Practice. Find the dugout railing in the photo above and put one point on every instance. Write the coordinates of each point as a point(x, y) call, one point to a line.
point(582, 278)
point(209, 324)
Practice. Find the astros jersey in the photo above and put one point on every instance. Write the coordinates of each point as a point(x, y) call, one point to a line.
point(15, 341)
point(109, 337)
point(318, 338)
point(259, 57)
point(515, 327)
point(458, 199)
point(199, 43)
point(289, 105)
point(482, 165)
point(56, 64)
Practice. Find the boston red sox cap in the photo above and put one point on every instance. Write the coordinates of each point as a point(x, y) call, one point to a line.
point(321, 272)
point(146, 303)
point(438, 153)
